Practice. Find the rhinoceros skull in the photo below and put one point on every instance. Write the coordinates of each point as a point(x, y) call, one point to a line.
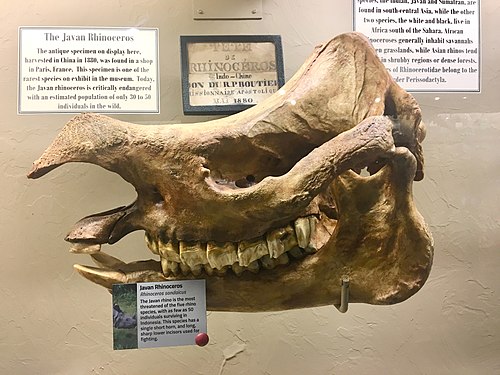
point(272, 206)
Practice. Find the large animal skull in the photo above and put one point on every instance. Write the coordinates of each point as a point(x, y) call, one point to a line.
point(269, 205)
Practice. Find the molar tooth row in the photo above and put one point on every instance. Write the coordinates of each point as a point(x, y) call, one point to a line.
point(302, 231)
point(267, 262)
point(169, 267)
point(169, 251)
point(270, 263)
point(193, 254)
point(152, 243)
point(253, 267)
point(250, 251)
point(305, 227)
point(281, 240)
point(221, 255)
point(272, 250)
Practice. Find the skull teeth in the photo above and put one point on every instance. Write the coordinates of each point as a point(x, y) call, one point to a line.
point(267, 262)
point(152, 244)
point(275, 245)
point(221, 255)
point(169, 251)
point(272, 250)
point(248, 252)
point(193, 254)
point(84, 248)
point(303, 231)
point(169, 267)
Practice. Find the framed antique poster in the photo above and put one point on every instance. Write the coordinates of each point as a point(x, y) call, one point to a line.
point(225, 74)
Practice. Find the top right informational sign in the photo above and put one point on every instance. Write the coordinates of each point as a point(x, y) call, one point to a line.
point(427, 45)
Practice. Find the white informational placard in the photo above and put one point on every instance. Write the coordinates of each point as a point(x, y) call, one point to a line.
point(427, 45)
point(170, 313)
point(150, 315)
point(75, 69)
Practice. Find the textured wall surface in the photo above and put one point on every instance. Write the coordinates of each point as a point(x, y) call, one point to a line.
point(54, 322)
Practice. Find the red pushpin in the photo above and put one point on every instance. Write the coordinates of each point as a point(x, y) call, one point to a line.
point(201, 339)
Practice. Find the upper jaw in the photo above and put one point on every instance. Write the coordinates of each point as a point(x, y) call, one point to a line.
point(208, 211)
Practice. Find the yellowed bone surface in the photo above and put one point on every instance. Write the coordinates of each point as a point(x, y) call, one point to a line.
point(268, 205)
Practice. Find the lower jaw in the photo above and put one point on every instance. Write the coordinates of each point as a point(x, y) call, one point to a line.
point(299, 277)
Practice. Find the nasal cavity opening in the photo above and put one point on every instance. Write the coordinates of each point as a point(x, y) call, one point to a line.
point(390, 107)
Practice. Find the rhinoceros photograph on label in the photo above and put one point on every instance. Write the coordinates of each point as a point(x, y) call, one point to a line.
point(124, 316)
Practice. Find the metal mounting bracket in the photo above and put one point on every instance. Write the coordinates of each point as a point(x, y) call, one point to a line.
point(227, 9)
point(344, 295)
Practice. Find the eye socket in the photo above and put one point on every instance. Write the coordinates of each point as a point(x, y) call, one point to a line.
point(245, 182)
point(156, 195)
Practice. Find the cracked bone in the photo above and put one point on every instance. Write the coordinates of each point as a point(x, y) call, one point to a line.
point(340, 112)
